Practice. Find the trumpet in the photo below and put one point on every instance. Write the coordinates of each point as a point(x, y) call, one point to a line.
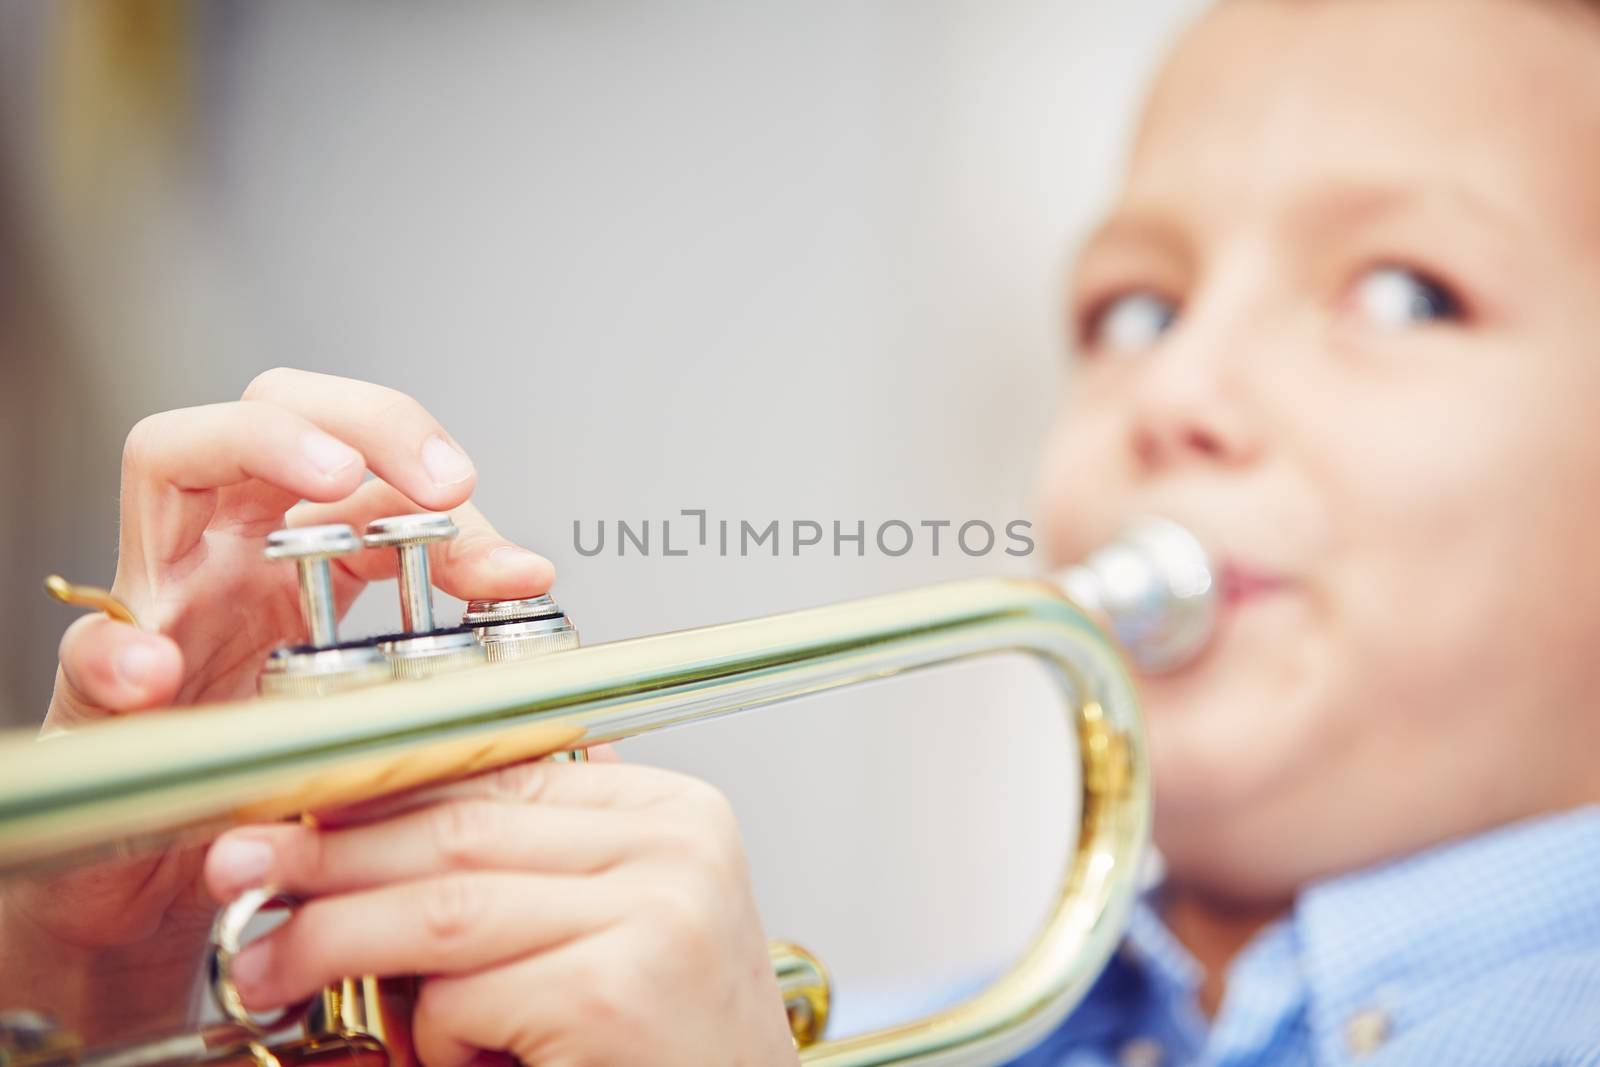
point(347, 722)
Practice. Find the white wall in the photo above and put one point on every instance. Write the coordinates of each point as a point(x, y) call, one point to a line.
point(773, 260)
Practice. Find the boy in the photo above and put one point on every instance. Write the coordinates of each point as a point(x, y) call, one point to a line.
point(1341, 323)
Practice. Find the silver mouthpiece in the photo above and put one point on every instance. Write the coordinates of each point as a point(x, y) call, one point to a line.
point(1153, 585)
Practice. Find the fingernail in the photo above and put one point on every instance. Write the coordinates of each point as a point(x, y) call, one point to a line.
point(511, 556)
point(444, 462)
point(249, 969)
point(136, 663)
point(329, 454)
point(241, 863)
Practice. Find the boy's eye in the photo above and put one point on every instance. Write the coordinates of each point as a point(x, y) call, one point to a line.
point(1394, 298)
point(1133, 322)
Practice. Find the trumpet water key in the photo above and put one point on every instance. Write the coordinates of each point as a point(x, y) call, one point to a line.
point(175, 777)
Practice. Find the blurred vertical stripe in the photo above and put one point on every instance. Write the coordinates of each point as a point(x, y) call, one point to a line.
point(102, 102)
point(123, 85)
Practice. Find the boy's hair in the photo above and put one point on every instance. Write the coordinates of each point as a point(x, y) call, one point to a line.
point(1591, 6)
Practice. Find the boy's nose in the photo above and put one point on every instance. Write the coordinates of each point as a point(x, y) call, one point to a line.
point(1184, 412)
point(1156, 446)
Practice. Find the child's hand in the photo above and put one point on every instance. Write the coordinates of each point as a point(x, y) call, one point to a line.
point(201, 489)
point(593, 913)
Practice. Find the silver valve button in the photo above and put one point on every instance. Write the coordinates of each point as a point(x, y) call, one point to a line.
point(520, 629)
point(323, 666)
point(311, 547)
point(421, 650)
point(410, 536)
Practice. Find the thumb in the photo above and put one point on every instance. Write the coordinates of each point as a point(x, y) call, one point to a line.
point(110, 668)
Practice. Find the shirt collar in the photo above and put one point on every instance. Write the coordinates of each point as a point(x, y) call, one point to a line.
point(1400, 939)
point(1396, 940)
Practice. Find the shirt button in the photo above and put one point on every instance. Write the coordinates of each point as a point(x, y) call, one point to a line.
point(1140, 1052)
point(1366, 1031)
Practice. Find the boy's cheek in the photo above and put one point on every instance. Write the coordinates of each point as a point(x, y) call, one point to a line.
point(1081, 490)
point(1357, 732)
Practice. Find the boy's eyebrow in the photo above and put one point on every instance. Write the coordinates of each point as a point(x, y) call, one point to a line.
point(1140, 234)
point(1339, 205)
point(1133, 229)
point(1332, 207)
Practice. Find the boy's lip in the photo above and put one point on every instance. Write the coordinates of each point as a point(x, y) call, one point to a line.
point(1240, 582)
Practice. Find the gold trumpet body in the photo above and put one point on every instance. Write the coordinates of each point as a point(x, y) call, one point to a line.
point(179, 776)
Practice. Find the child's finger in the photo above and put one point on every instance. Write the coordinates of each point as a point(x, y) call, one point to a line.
point(479, 564)
point(113, 667)
point(452, 924)
point(171, 459)
point(472, 834)
point(403, 444)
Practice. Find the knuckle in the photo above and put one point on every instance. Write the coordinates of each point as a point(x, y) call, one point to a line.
point(442, 1014)
point(681, 839)
point(436, 1005)
point(450, 908)
point(465, 832)
point(476, 529)
point(270, 383)
point(394, 408)
point(708, 802)
point(681, 914)
point(519, 782)
point(473, 539)
point(710, 835)
point(141, 441)
point(430, 1008)
point(305, 855)
point(603, 994)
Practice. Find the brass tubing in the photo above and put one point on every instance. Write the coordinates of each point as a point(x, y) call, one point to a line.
point(157, 778)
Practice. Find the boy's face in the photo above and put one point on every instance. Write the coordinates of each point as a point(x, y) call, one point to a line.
point(1344, 322)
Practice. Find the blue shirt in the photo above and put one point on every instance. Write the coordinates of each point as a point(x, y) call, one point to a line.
point(1483, 952)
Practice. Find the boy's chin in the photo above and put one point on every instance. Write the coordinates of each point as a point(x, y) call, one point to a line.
point(1229, 845)
point(1227, 786)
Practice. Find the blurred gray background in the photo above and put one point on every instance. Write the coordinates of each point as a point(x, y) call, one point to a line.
point(774, 260)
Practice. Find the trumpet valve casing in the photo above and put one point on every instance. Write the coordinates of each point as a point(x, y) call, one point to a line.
point(421, 650)
point(324, 665)
point(520, 629)
point(307, 671)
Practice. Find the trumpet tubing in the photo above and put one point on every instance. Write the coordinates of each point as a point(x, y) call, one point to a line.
point(168, 778)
